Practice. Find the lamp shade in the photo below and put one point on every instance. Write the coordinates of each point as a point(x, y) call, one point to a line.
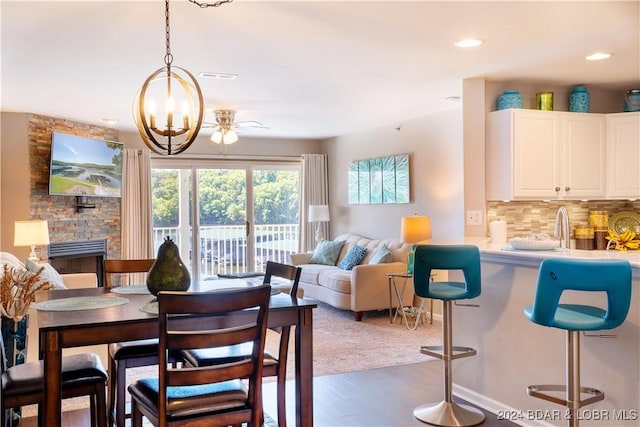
point(415, 229)
point(319, 213)
point(31, 233)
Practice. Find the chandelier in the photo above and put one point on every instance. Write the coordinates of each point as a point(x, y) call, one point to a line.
point(223, 132)
point(170, 132)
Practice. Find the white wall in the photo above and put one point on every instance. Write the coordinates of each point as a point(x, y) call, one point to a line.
point(15, 180)
point(434, 145)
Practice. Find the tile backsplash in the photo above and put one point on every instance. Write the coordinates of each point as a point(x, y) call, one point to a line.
point(524, 218)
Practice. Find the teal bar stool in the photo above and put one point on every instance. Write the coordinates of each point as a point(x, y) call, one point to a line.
point(557, 275)
point(447, 257)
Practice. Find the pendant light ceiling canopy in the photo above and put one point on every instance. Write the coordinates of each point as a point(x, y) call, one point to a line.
point(169, 107)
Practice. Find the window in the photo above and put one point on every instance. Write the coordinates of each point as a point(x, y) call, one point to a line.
point(246, 214)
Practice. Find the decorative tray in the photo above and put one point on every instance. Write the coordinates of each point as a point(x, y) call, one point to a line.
point(79, 303)
point(626, 220)
point(525, 243)
point(132, 290)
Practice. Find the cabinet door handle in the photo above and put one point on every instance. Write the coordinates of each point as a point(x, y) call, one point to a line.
point(557, 189)
point(567, 188)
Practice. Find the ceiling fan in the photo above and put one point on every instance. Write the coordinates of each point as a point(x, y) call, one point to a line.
point(225, 126)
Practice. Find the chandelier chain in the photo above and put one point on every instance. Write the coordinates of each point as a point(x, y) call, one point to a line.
point(168, 58)
point(214, 4)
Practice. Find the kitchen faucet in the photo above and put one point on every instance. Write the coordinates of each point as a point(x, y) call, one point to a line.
point(562, 227)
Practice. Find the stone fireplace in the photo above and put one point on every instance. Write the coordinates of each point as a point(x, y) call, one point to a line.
point(79, 256)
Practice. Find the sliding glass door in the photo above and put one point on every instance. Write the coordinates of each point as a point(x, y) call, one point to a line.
point(245, 214)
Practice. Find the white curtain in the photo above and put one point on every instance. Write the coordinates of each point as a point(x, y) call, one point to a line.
point(315, 191)
point(137, 220)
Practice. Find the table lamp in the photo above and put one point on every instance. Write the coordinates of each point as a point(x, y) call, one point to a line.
point(414, 229)
point(31, 233)
point(318, 214)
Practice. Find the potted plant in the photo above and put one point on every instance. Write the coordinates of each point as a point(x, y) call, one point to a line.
point(18, 289)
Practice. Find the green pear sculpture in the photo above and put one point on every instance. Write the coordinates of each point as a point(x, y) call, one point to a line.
point(168, 272)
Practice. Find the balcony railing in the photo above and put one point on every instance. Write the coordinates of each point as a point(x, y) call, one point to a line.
point(223, 248)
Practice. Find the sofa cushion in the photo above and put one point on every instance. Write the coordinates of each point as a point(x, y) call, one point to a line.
point(311, 272)
point(353, 258)
point(49, 273)
point(327, 252)
point(11, 259)
point(336, 279)
point(383, 255)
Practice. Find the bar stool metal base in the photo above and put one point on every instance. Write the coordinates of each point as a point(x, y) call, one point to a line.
point(449, 414)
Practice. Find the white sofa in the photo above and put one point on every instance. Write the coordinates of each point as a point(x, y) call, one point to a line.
point(365, 287)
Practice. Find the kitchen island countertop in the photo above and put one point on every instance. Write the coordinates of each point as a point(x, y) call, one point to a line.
point(505, 252)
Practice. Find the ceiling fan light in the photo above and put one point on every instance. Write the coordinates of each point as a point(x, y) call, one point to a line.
point(217, 136)
point(230, 137)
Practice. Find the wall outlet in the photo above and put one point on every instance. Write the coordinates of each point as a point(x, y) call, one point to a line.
point(474, 217)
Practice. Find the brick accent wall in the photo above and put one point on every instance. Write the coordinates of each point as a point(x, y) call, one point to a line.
point(60, 211)
point(524, 218)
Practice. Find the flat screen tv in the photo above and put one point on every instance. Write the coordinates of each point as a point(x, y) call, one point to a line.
point(83, 166)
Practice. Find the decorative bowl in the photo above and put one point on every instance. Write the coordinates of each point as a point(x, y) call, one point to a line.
point(524, 243)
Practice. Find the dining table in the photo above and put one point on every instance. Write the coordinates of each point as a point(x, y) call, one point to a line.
point(81, 317)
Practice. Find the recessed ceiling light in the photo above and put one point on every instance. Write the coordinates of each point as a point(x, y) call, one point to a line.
point(468, 43)
point(221, 76)
point(110, 122)
point(597, 56)
point(452, 99)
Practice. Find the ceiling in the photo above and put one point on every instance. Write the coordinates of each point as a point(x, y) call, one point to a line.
point(306, 69)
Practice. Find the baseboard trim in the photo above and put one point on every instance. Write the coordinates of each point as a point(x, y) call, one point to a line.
point(516, 416)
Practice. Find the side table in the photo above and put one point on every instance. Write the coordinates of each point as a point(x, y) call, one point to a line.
point(399, 289)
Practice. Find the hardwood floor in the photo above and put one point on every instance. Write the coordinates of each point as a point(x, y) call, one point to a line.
point(382, 397)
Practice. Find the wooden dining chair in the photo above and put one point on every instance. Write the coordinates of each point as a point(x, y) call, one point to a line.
point(129, 354)
point(82, 375)
point(274, 365)
point(225, 394)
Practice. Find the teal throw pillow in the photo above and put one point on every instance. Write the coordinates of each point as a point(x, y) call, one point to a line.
point(49, 273)
point(327, 252)
point(353, 258)
point(382, 255)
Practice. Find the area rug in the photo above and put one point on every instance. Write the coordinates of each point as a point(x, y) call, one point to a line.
point(340, 344)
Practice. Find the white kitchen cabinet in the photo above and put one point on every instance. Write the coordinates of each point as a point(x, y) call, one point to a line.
point(623, 155)
point(534, 155)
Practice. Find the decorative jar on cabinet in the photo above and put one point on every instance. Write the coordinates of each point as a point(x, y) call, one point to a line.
point(510, 99)
point(579, 101)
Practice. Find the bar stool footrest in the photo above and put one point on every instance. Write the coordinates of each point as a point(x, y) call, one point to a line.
point(539, 392)
point(437, 351)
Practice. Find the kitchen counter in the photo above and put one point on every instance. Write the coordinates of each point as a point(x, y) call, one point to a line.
point(523, 256)
point(514, 353)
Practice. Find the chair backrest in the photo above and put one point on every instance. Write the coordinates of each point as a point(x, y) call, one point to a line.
point(122, 266)
point(284, 271)
point(447, 257)
point(203, 329)
point(557, 275)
